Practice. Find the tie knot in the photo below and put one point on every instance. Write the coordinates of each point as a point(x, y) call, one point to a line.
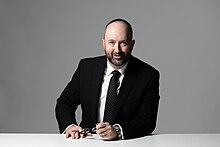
point(116, 74)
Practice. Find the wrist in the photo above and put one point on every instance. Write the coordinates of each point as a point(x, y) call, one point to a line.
point(118, 131)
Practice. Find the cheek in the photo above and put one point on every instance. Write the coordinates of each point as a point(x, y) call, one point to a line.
point(108, 49)
point(126, 49)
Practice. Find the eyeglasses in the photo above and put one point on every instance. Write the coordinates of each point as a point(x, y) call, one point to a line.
point(85, 131)
point(89, 130)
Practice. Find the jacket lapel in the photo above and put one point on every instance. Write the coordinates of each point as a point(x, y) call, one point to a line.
point(127, 83)
point(97, 77)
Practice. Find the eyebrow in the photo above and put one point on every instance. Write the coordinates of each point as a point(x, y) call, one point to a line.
point(120, 40)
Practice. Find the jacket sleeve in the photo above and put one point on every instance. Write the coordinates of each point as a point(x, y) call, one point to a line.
point(144, 121)
point(68, 102)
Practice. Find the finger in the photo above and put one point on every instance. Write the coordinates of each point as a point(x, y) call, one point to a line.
point(106, 136)
point(67, 134)
point(75, 135)
point(100, 130)
point(103, 135)
point(103, 128)
point(104, 124)
point(101, 125)
point(108, 132)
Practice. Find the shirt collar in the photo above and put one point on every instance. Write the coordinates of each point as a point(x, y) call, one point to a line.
point(110, 69)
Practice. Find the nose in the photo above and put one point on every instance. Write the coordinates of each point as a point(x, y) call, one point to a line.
point(117, 47)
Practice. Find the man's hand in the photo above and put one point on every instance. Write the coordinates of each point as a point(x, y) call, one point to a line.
point(73, 132)
point(106, 131)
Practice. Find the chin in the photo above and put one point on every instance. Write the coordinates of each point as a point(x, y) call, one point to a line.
point(118, 64)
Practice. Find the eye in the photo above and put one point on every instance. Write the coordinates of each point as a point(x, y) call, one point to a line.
point(124, 43)
point(111, 43)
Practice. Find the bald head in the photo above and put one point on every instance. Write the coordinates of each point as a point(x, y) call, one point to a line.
point(123, 24)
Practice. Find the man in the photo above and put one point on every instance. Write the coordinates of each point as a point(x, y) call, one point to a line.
point(133, 113)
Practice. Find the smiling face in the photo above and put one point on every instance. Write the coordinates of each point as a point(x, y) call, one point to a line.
point(118, 44)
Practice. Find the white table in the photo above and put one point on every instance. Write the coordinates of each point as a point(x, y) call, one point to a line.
point(161, 140)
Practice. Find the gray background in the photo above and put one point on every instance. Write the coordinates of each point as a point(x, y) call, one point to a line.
point(42, 41)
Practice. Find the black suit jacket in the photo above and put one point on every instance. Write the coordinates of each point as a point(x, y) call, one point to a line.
point(137, 101)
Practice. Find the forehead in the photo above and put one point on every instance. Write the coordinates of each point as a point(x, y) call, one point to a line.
point(117, 29)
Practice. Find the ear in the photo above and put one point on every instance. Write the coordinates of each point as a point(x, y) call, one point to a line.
point(132, 44)
point(103, 43)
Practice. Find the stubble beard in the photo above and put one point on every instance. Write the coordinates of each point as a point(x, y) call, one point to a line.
point(118, 62)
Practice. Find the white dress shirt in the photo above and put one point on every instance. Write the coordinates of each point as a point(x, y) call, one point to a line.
point(106, 79)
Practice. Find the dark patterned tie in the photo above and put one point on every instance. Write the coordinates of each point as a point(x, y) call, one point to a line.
point(111, 97)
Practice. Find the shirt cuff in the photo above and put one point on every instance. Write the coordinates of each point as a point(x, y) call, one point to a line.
point(119, 131)
point(68, 128)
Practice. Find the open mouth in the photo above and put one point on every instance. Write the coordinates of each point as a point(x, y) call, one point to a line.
point(118, 56)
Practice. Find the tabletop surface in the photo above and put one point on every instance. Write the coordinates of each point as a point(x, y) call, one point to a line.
point(160, 140)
